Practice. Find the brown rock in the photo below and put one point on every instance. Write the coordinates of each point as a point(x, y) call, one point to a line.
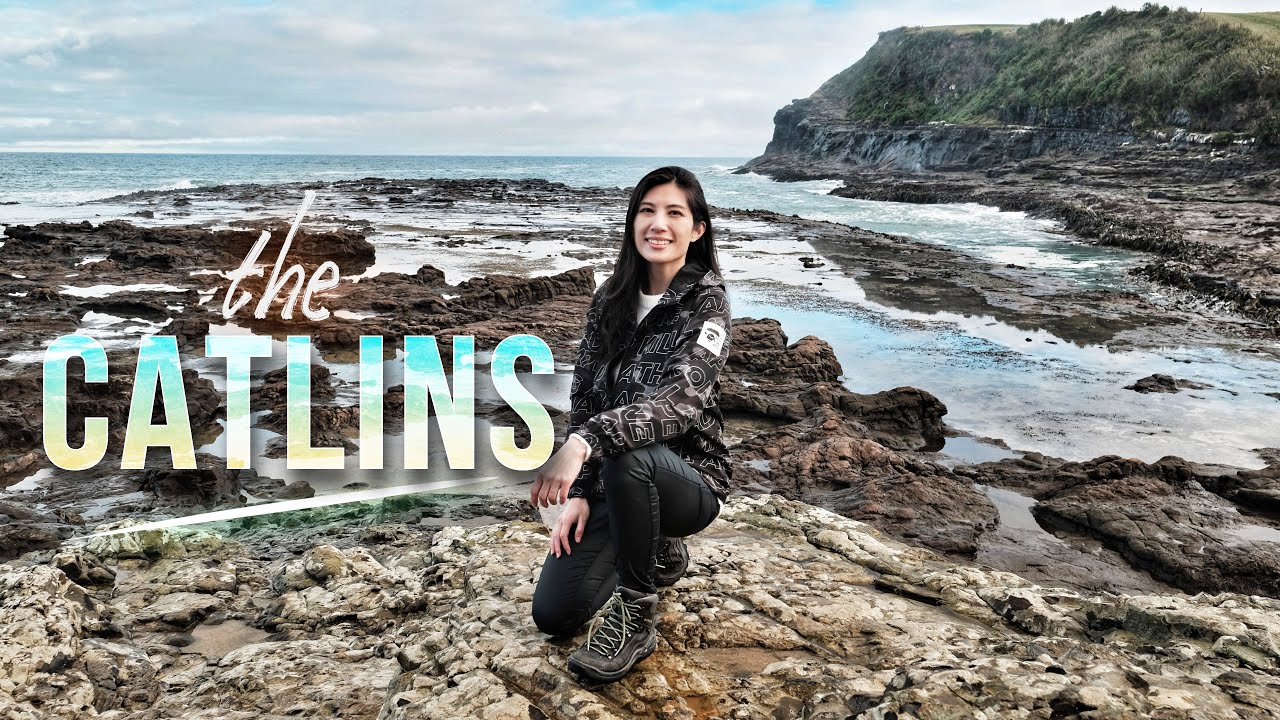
point(211, 484)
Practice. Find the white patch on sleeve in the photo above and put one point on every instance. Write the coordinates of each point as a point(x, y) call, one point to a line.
point(711, 337)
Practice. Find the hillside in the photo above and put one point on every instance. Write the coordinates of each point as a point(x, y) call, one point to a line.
point(1116, 71)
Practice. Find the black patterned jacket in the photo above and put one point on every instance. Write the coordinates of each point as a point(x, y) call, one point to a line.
point(668, 387)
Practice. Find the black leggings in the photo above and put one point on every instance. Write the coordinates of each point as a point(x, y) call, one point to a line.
point(648, 492)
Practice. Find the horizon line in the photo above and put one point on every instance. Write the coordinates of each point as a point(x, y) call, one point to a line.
point(315, 154)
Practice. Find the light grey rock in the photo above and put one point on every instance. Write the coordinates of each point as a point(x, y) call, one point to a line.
point(179, 611)
point(149, 544)
point(787, 611)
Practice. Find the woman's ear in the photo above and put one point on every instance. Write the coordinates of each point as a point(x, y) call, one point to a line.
point(702, 228)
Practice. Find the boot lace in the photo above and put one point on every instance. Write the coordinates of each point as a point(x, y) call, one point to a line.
point(620, 620)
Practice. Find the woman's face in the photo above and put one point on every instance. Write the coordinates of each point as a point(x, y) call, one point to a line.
point(664, 226)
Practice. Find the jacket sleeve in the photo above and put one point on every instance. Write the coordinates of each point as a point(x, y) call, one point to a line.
point(684, 391)
point(580, 409)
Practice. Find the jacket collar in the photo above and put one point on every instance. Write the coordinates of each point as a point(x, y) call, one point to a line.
point(690, 276)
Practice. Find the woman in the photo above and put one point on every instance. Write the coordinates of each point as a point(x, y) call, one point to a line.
point(643, 464)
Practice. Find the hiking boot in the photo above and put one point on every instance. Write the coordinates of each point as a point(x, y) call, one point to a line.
point(671, 562)
point(623, 637)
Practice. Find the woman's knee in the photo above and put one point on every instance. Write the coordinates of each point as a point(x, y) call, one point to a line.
point(558, 608)
point(557, 619)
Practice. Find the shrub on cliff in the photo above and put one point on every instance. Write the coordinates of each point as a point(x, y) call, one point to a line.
point(1115, 70)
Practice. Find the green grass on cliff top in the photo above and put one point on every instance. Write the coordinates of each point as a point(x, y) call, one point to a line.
point(1149, 68)
point(1266, 24)
point(966, 29)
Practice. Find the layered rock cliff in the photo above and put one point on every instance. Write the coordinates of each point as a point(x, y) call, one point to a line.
point(815, 129)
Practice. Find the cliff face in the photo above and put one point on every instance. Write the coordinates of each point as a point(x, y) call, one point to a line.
point(812, 129)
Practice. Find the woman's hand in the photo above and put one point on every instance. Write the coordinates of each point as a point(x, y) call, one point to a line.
point(559, 472)
point(572, 521)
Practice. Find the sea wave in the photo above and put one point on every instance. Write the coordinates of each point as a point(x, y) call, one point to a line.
point(183, 184)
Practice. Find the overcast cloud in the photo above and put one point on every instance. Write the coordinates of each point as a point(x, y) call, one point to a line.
point(487, 77)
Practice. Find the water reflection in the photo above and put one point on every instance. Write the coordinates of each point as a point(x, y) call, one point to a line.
point(1044, 395)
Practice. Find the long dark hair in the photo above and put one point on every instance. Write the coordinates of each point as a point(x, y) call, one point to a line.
point(631, 271)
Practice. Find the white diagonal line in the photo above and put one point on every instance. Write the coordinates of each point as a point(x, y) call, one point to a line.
point(270, 508)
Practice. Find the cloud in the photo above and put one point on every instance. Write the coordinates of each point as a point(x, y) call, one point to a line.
point(452, 76)
point(100, 76)
point(25, 122)
point(40, 60)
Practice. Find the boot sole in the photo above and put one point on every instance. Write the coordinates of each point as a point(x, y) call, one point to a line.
point(602, 677)
point(669, 580)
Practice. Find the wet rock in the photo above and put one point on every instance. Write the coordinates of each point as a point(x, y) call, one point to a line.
point(1160, 383)
point(189, 330)
point(129, 306)
point(297, 490)
point(1271, 456)
point(19, 432)
point(24, 536)
point(1257, 490)
point(827, 460)
point(1159, 516)
point(839, 452)
point(903, 418)
point(489, 308)
point(506, 416)
point(349, 249)
point(23, 530)
point(209, 485)
point(331, 426)
point(18, 463)
point(275, 385)
point(764, 375)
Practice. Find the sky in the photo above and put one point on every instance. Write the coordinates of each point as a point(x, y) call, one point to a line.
point(487, 77)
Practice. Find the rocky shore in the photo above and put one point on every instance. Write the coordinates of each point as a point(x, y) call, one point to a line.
point(856, 572)
point(788, 611)
point(1204, 210)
